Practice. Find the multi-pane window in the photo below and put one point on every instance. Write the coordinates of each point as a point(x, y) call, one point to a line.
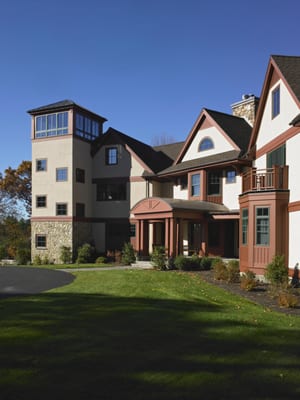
point(206, 144)
point(111, 191)
point(244, 225)
point(41, 165)
point(40, 241)
point(132, 230)
point(262, 226)
point(230, 176)
point(51, 125)
point(195, 185)
point(41, 201)
point(277, 157)
point(80, 209)
point(80, 175)
point(111, 156)
point(276, 102)
point(213, 183)
point(86, 127)
point(61, 208)
point(61, 174)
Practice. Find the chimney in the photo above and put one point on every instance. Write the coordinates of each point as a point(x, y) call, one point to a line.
point(246, 108)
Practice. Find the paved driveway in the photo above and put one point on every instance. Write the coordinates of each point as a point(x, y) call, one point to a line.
point(27, 280)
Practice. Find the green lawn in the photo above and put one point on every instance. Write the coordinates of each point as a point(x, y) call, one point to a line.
point(145, 335)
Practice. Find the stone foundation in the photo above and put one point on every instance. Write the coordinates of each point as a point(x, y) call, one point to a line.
point(58, 234)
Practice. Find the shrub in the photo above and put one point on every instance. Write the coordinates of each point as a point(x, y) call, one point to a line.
point(195, 262)
point(181, 262)
point(288, 299)
point(66, 254)
point(206, 263)
point(233, 271)
point(220, 270)
point(85, 254)
point(23, 256)
point(248, 281)
point(276, 271)
point(37, 260)
point(128, 256)
point(158, 257)
point(101, 260)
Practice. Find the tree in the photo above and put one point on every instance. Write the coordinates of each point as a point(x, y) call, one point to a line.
point(15, 185)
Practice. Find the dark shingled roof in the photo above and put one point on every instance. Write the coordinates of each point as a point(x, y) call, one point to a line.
point(215, 159)
point(155, 160)
point(171, 149)
point(61, 106)
point(236, 128)
point(204, 206)
point(290, 68)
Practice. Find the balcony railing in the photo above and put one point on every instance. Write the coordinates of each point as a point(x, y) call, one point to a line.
point(275, 178)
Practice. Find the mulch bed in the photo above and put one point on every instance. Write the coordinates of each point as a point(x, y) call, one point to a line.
point(259, 295)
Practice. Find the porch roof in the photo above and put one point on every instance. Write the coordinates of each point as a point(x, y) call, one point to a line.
point(160, 205)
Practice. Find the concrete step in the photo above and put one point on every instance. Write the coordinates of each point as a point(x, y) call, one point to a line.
point(143, 264)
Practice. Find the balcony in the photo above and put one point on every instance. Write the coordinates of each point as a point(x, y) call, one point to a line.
point(256, 180)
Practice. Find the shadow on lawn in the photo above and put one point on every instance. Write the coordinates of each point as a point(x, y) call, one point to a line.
point(57, 346)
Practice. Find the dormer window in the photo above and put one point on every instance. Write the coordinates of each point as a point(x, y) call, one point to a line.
point(276, 102)
point(206, 144)
point(111, 156)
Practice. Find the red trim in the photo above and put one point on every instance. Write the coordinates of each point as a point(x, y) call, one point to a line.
point(294, 206)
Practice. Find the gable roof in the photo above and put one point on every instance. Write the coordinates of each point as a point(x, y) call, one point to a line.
point(236, 129)
point(288, 69)
point(228, 157)
point(62, 105)
point(154, 159)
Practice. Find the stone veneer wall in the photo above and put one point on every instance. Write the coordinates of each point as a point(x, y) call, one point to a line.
point(58, 234)
point(246, 108)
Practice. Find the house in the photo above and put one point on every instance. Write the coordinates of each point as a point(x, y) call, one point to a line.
point(230, 189)
point(270, 197)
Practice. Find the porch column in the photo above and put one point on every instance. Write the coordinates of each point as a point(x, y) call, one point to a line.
point(144, 238)
point(138, 236)
point(180, 236)
point(167, 236)
point(173, 237)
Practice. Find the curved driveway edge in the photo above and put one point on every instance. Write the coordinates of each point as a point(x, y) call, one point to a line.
point(31, 280)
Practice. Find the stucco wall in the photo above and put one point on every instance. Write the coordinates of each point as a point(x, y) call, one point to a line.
point(221, 144)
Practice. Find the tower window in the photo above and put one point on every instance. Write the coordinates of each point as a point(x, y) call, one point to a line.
point(61, 174)
point(51, 125)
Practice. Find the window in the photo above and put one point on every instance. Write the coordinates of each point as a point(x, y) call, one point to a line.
point(80, 210)
point(244, 225)
point(41, 201)
point(61, 174)
point(111, 191)
point(213, 183)
point(132, 230)
point(262, 226)
point(51, 125)
point(61, 208)
point(80, 175)
point(111, 156)
point(41, 165)
point(86, 127)
point(206, 144)
point(276, 157)
point(195, 185)
point(40, 241)
point(276, 102)
point(230, 176)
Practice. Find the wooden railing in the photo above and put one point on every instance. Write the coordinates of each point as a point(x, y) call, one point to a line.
point(275, 178)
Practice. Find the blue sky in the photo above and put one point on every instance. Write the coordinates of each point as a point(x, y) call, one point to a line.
point(149, 67)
